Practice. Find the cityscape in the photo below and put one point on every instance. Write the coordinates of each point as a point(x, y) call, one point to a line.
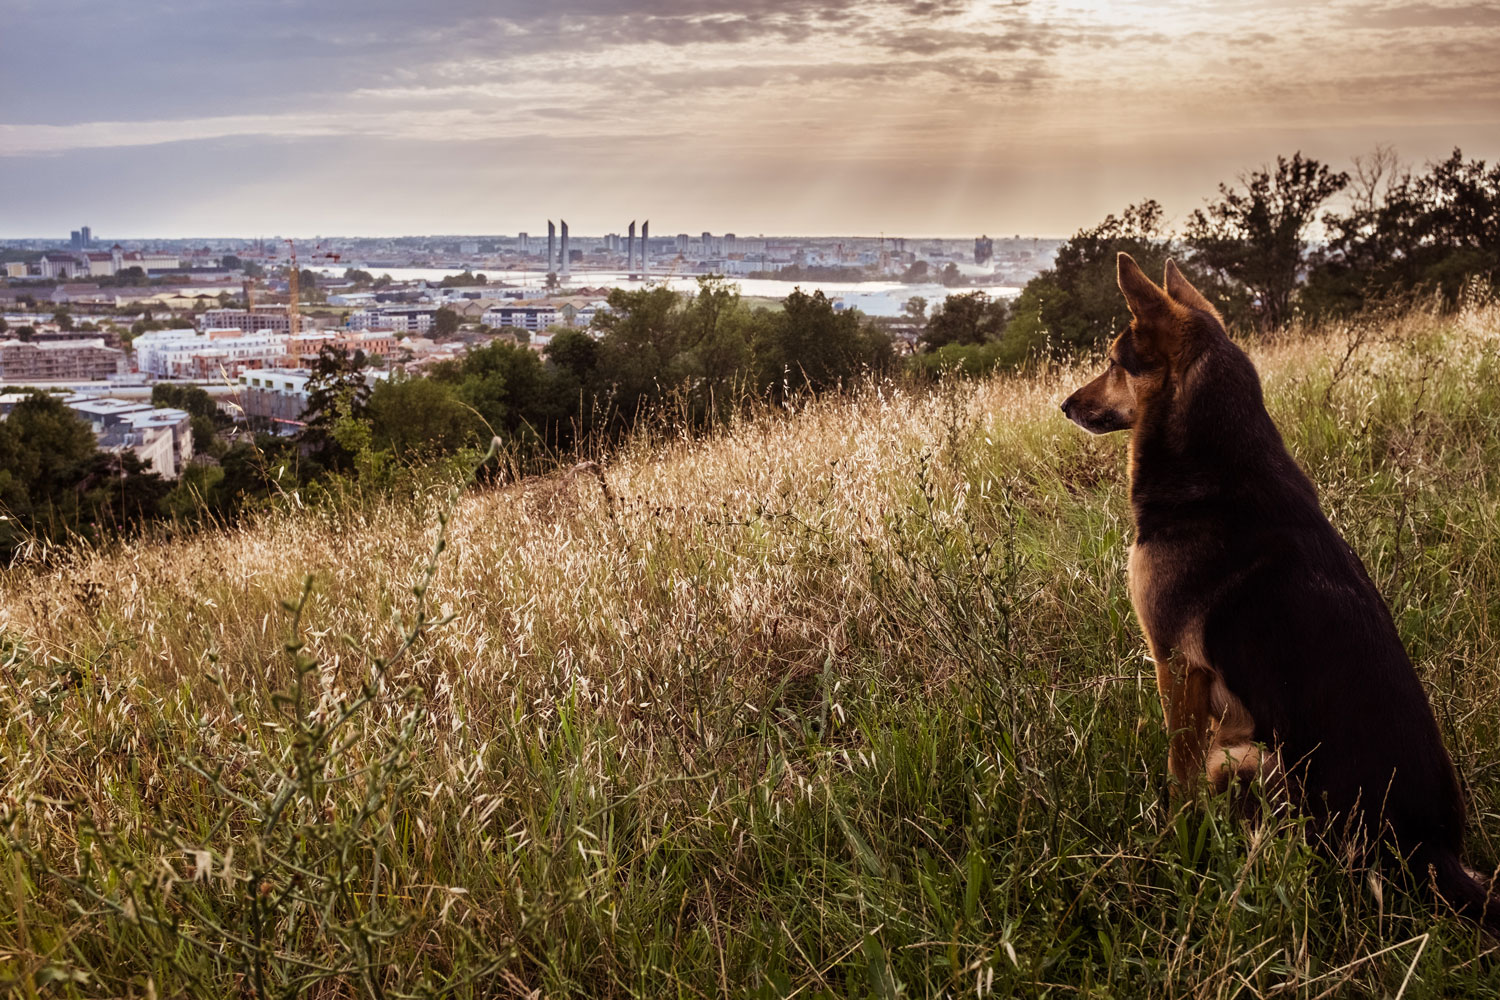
point(104, 321)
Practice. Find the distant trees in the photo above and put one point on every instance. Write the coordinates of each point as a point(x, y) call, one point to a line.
point(1256, 238)
point(462, 279)
point(336, 396)
point(1404, 232)
point(445, 323)
point(55, 483)
point(416, 417)
point(969, 318)
point(1076, 303)
point(204, 413)
point(809, 345)
point(309, 285)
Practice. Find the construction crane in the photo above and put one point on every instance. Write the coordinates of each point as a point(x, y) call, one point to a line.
point(293, 307)
point(294, 280)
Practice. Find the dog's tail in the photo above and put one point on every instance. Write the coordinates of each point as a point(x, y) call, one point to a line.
point(1460, 888)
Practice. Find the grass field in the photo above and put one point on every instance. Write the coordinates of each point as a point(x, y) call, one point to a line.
point(848, 702)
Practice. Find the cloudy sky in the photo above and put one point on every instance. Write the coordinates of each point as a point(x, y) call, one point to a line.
point(913, 117)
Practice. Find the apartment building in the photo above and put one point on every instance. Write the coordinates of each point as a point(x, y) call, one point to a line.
point(59, 361)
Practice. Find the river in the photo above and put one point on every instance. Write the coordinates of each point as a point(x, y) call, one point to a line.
point(874, 298)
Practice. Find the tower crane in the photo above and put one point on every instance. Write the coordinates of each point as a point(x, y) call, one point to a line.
point(294, 307)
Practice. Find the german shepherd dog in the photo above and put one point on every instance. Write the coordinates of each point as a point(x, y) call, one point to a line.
point(1275, 654)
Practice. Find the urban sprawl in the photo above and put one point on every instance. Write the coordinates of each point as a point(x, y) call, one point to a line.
point(245, 318)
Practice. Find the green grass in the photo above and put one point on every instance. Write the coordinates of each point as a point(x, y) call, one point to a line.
point(844, 703)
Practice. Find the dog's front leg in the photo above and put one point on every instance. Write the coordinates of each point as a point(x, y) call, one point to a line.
point(1186, 702)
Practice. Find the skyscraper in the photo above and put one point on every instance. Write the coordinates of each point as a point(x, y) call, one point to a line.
point(564, 261)
point(551, 245)
point(645, 233)
point(630, 247)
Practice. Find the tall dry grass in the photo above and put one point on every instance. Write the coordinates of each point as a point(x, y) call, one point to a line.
point(843, 702)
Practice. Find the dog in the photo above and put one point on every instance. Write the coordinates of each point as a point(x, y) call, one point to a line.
point(1276, 657)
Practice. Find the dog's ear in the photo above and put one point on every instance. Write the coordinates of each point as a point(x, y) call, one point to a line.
point(1148, 304)
point(1183, 291)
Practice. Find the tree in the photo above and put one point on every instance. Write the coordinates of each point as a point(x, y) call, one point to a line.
point(915, 309)
point(336, 391)
point(230, 262)
point(307, 285)
point(641, 332)
point(3, 325)
point(1076, 304)
point(1405, 232)
point(63, 319)
point(415, 416)
point(190, 398)
point(812, 345)
point(574, 351)
point(445, 323)
point(951, 275)
point(970, 318)
point(918, 273)
point(25, 333)
point(1255, 238)
point(54, 482)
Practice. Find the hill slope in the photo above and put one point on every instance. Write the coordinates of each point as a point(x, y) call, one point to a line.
point(849, 702)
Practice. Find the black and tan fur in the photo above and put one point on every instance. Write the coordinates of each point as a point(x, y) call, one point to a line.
point(1274, 652)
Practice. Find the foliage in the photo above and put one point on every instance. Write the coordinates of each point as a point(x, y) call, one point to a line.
point(56, 484)
point(337, 391)
point(1255, 239)
point(1076, 305)
point(970, 318)
point(445, 323)
point(462, 279)
point(417, 417)
point(810, 345)
point(192, 399)
point(1405, 233)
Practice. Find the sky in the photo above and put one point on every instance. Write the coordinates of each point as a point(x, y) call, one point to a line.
point(817, 117)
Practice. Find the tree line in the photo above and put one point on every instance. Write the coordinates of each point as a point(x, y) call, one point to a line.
point(693, 359)
point(1397, 231)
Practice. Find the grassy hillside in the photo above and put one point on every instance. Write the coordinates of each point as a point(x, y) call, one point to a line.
point(847, 703)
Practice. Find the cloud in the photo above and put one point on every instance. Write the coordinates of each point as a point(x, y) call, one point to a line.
point(879, 96)
point(1427, 15)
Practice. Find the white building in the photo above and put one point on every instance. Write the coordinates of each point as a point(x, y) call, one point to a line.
point(533, 318)
point(405, 319)
point(61, 265)
point(161, 438)
point(190, 354)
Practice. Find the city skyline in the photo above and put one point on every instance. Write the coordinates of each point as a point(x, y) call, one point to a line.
point(920, 118)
